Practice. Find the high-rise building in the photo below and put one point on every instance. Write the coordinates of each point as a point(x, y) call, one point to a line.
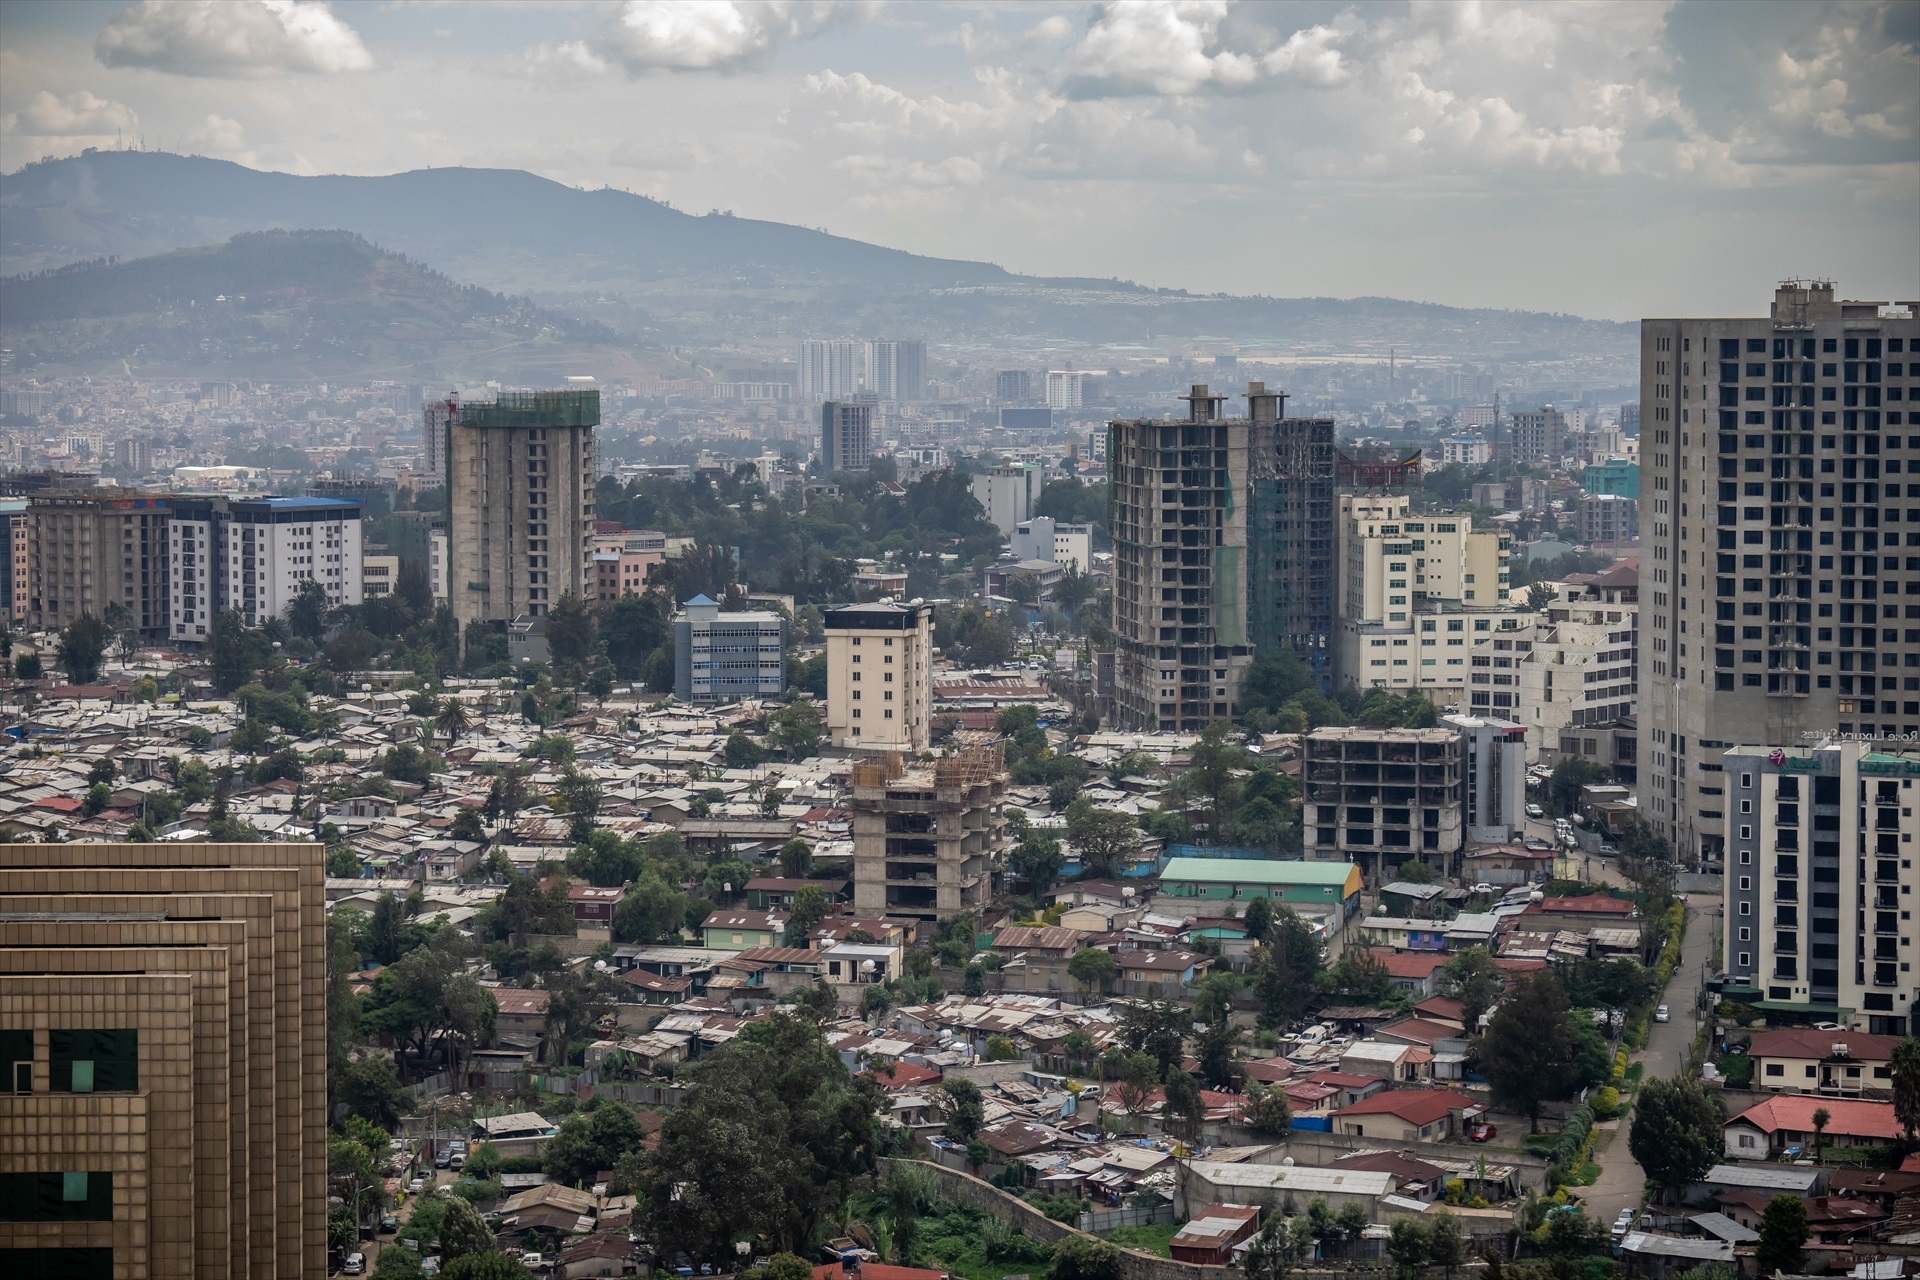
point(1007, 494)
point(830, 370)
point(163, 1034)
point(520, 524)
point(1379, 797)
point(1819, 883)
point(1044, 538)
point(846, 437)
point(1539, 436)
point(880, 676)
point(725, 657)
point(13, 559)
point(437, 564)
point(927, 836)
point(1066, 388)
point(1416, 594)
point(1777, 528)
point(1013, 386)
point(133, 455)
point(1494, 777)
point(896, 370)
point(252, 554)
point(87, 551)
point(1606, 518)
point(1223, 535)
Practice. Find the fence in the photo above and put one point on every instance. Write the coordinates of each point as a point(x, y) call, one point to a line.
point(1139, 1216)
point(434, 1086)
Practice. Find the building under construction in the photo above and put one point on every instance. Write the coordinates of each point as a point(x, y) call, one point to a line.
point(1223, 545)
point(927, 835)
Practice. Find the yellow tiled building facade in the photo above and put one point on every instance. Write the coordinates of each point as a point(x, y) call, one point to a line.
point(163, 1039)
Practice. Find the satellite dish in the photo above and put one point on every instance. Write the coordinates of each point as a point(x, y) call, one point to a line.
point(868, 966)
point(600, 965)
point(1287, 1162)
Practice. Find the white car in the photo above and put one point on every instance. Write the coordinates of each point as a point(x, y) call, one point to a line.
point(355, 1265)
point(1623, 1223)
point(1483, 888)
point(416, 1186)
point(1661, 1014)
point(1535, 811)
point(533, 1262)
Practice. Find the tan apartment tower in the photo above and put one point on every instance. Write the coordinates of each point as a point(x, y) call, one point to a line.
point(927, 836)
point(90, 550)
point(163, 1034)
point(880, 676)
point(1780, 533)
point(520, 479)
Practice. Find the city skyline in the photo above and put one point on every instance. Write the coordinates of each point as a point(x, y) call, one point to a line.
point(1471, 155)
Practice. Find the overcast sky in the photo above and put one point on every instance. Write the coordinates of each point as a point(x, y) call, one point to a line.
point(1611, 159)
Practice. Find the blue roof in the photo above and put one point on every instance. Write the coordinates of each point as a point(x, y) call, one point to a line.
point(283, 503)
point(703, 598)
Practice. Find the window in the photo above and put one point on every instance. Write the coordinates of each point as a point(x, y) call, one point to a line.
point(94, 1061)
point(16, 1059)
point(56, 1197)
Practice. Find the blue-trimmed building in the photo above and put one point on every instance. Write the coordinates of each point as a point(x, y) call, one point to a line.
point(254, 555)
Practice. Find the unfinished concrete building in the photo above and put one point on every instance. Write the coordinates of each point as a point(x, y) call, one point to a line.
point(927, 835)
point(1380, 797)
point(1223, 539)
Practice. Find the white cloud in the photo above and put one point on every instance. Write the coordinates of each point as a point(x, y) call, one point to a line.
point(238, 39)
point(1308, 54)
point(1154, 46)
point(79, 114)
point(219, 135)
point(716, 35)
point(570, 57)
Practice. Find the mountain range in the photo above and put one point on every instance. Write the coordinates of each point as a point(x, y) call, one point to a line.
point(663, 277)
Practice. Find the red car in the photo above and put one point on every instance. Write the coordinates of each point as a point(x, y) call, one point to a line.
point(1482, 1132)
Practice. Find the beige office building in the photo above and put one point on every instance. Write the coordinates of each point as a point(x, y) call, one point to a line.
point(520, 479)
point(89, 550)
point(880, 676)
point(163, 1036)
point(1416, 594)
point(1780, 536)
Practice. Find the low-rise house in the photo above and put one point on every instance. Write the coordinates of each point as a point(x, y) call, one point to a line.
point(1406, 1115)
point(521, 1013)
point(1803, 1060)
point(739, 928)
point(1211, 1233)
point(770, 893)
point(594, 908)
point(1413, 1179)
point(1767, 1129)
point(1401, 934)
point(1415, 972)
point(1400, 1064)
point(1280, 1187)
point(1163, 968)
point(1766, 1181)
point(1661, 1257)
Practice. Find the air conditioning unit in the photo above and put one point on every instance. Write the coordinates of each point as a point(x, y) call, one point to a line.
point(1839, 1051)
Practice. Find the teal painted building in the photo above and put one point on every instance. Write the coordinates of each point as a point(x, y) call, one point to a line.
point(1242, 879)
point(1613, 476)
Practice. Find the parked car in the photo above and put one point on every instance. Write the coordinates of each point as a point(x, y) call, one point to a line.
point(533, 1261)
point(1483, 888)
point(355, 1265)
point(442, 1157)
point(389, 1225)
point(1661, 1014)
point(415, 1187)
point(1480, 1131)
point(1622, 1224)
point(1535, 811)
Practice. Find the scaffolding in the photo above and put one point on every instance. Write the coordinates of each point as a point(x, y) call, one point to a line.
point(527, 409)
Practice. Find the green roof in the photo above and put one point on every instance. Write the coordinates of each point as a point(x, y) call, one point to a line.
point(1257, 871)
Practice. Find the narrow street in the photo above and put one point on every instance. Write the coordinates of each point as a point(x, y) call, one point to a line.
point(1621, 1181)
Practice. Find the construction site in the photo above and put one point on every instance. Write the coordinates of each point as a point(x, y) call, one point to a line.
point(927, 835)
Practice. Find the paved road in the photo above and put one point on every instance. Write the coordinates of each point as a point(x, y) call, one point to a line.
point(1621, 1183)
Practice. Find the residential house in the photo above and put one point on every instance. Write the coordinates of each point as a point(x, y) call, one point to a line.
point(1211, 1233)
point(521, 1014)
point(1413, 1179)
point(1766, 1129)
point(1803, 1060)
point(1402, 934)
point(1412, 971)
point(1163, 968)
point(1662, 1257)
point(1399, 1064)
point(593, 909)
point(776, 893)
point(1405, 1115)
point(739, 928)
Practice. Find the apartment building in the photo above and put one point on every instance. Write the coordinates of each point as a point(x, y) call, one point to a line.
point(1223, 536)
point(1780, 535)
point(520, 474)
point(1416, 594)
point(252, 554)
point(1819, 883)
point(163, 1033)
point(721, 656)
point(1494, 777)
point(1571, 672)
point(14, 559)
point(927, 837)
point(846, 437)
point(1007, 495)
point(1539, 436)
point(89, 550)
point(1013, 386)
point(896, 369)
point(1604, 519)
point(1066, 389)
point(379, 575)
point(1379, 797)
point(1044, 538)
point(880, 676)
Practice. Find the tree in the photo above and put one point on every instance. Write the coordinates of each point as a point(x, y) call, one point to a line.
point(1183, 1100)
point(796, 859)
point(1155, 1027)
point(1285, 968)
point(370, 1087)
point(1139, 1077)
point(1360, 977)
point(491, 1265)
point(1259, 918)
point(463, 1231)
point(82, 644)
point(1821, 1119)
point(1472, 978)
point(1783, 1236)
point(965, 1108)
point(1105, 839)
point(1037, 860)
point(570, 627)
point(1446, 1241)
point(1526, 1053)
point(1079, 1257)
point(1407, 1245)
point(605, 860)
point(307, 611)
point(591, 1140)
point(1264, 1109)
point(795, 730)
point(652, 911)
point(452, 720)
point(581, 792)
point(400, 1264)
point(1676, 1131)
point(1092, 967)
point(809, 909)
point(1270, 1252)
point(27, 666)
point(1564, 783)
point(466, 825)
point(1906, 1086)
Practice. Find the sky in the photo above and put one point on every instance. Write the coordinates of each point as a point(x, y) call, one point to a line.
point(1614, 160)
